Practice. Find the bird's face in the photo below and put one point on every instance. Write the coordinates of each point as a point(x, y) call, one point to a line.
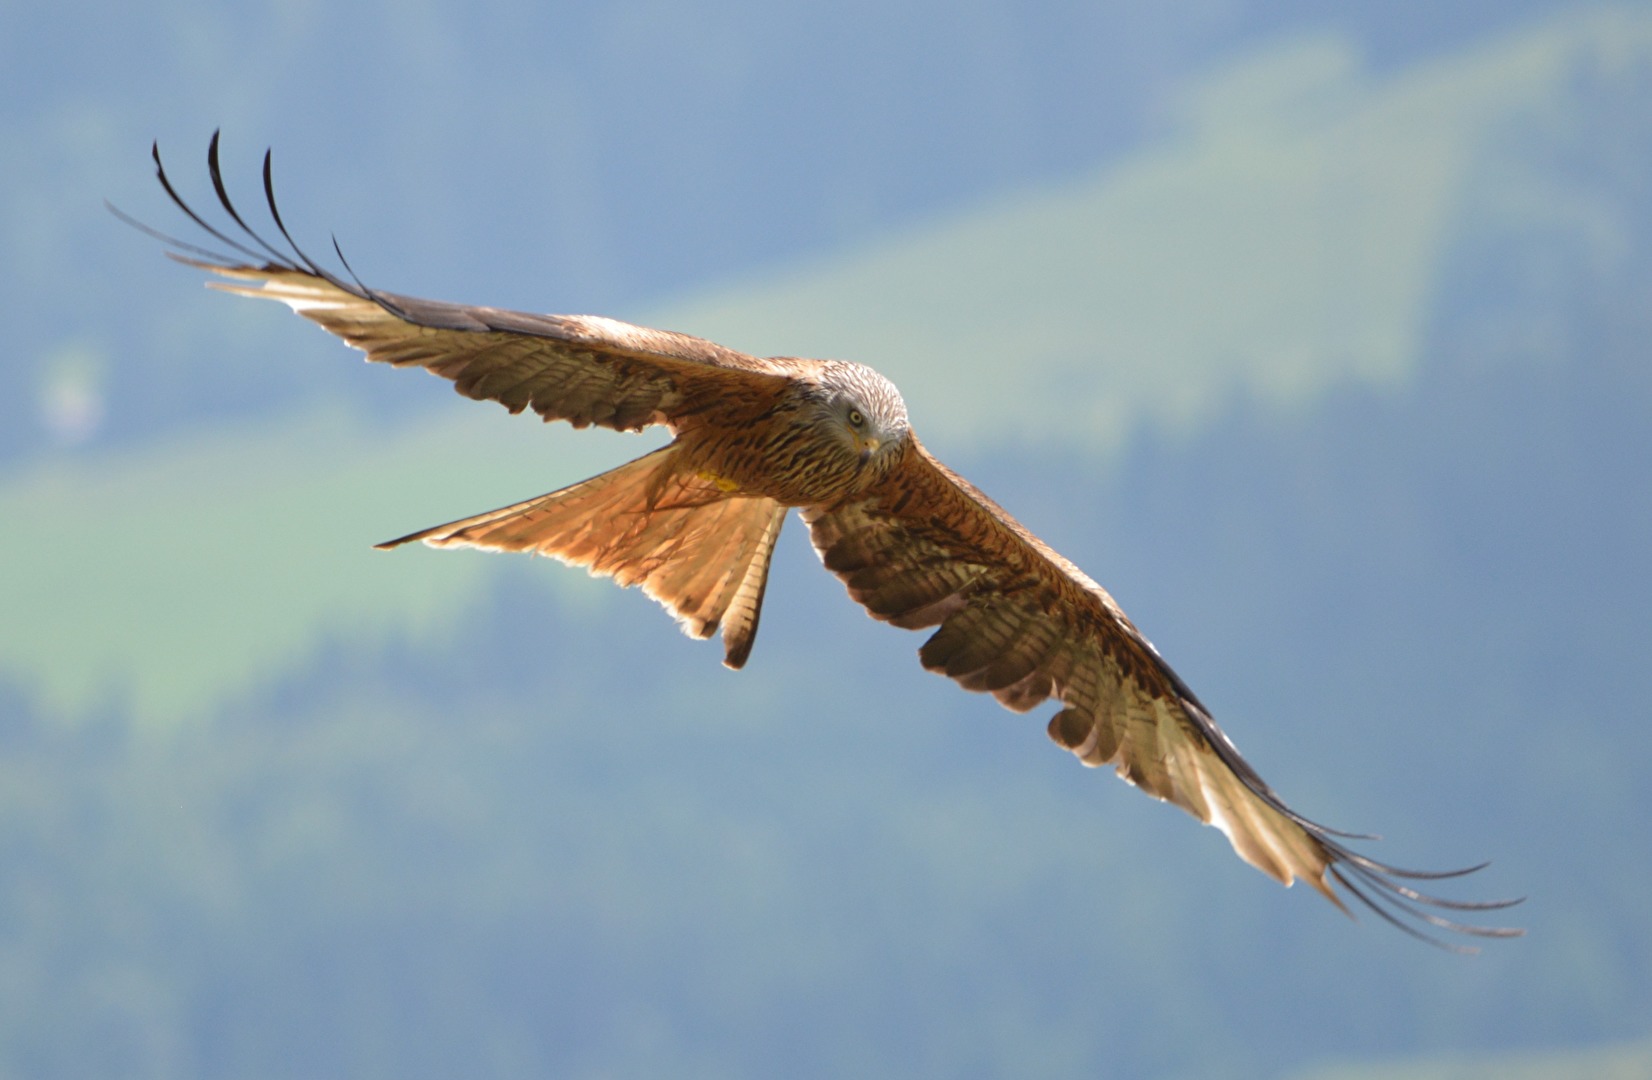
point(864, 412)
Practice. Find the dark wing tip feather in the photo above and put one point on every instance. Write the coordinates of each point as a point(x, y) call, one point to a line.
point(222, 192)
point(1401, 908)
point(1382, 892)
point(249, 247)
point(275, 215)
point(195, 253)
point(189, 211)
point(377, 297)
point(1378, 888)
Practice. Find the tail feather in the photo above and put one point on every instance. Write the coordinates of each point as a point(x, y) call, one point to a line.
point(702, 554)
point(745, 603)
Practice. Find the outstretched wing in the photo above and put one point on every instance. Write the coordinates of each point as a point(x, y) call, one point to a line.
point(1018, 621)
point(580, 368)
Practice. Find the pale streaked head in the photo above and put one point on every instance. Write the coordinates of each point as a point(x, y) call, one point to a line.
point(867, 407)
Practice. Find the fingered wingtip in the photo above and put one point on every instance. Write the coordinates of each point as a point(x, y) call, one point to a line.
point(1396, 904)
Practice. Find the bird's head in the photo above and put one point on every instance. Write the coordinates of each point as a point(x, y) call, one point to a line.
point(864, 411)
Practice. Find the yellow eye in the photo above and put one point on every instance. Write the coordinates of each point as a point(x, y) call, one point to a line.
point(855, 418)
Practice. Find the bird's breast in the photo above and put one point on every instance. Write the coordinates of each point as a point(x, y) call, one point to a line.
point(785, 458)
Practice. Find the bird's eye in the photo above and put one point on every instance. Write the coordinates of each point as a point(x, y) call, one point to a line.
point(855, 418)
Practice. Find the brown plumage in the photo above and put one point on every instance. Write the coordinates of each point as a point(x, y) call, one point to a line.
point(694, 524)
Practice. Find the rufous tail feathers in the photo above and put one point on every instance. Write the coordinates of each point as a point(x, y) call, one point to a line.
point(701, 553)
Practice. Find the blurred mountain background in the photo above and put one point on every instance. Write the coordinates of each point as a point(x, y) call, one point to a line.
point(1318, 332)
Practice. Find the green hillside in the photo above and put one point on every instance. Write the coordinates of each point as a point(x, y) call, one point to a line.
point(166, 582)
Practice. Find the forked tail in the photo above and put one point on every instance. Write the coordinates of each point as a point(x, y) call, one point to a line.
point(703, 554)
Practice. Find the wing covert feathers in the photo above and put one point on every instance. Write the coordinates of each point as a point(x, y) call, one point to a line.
point(1018, 621)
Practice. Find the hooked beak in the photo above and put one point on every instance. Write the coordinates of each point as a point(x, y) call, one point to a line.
point(868, 447)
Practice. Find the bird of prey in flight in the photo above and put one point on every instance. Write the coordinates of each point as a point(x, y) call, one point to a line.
point(694, 524)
